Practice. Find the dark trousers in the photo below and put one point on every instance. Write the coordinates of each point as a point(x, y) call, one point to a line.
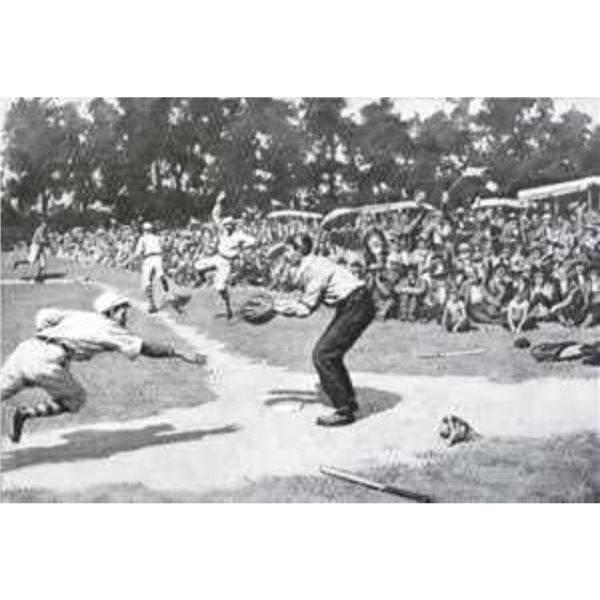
point(353, 315)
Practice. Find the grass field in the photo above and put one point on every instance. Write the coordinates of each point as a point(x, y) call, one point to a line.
point(554, 469)
point(559, 469)
point(117, 388)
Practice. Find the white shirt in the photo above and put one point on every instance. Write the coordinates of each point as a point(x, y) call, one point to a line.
point(231, 245)
point(149, 244)
point(323, 281)
point(86, 334)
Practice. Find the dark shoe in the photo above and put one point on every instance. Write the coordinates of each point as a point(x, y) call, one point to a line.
point(152, 310)
point(352, 407)
point(337, 419)
point(18, 421)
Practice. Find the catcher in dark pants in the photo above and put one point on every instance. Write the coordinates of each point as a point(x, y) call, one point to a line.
point(323, 281)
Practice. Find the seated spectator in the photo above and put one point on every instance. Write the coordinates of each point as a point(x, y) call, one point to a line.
point(411, 291)
point(435, 297)
point(593, 298)
point(542, 296)
point(571, 310)
point(454, 317)
point(518, 318)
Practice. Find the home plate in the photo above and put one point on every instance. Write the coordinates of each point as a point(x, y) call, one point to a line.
point(286, 405)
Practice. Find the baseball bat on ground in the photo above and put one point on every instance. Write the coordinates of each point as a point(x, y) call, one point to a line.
point(374, 485)
point(452, 353)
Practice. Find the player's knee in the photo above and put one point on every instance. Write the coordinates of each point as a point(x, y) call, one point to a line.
point(319, 356)
point(324, 356)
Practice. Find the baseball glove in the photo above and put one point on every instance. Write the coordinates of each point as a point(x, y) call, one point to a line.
point(180, 299)
point(522, 343)
point(258, 309)
point(454, 430)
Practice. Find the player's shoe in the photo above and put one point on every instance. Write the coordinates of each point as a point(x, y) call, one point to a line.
point(337, 419)
point(17, 423)
point(152, 310)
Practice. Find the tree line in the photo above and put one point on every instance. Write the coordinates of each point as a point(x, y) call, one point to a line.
point(170, 158)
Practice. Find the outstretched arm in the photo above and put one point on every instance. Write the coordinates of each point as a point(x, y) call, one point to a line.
point(158, 350)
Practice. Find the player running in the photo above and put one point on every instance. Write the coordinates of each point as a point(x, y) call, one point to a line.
point(37, 251)
point(231, 243)
point(149, 248)
point(63, 336)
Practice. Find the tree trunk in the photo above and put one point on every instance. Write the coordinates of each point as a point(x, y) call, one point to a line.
point(45, 202)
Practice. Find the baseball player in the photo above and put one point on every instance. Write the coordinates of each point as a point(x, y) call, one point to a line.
point(63, 336)
point(149, 249)
point(324, 281)
point(37, 251)
point(231, 243)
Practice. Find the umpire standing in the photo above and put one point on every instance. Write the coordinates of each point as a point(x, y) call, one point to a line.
point(323, 281)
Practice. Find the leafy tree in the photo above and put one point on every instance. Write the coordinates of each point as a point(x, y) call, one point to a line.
point(385, 152)
point(33, 137)
point(330, 149)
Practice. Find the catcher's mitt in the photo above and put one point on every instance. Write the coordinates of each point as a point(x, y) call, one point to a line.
point(454, 430)
point(258, 309)
point(180, 299)
point(522, 343)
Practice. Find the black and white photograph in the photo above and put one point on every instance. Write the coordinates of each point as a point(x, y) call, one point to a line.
point(300, 299)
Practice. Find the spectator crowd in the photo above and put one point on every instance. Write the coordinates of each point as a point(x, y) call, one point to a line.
point(459, 267)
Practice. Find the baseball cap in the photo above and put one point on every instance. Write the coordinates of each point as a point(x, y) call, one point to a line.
point(147, 226)
point(108, 301)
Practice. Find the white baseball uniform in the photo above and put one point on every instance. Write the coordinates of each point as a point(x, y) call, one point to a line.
point(228, 249)
point(149, 247)
point(44, 360)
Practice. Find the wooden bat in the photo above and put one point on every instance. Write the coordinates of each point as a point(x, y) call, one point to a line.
point(374, 485)
point(452, 353)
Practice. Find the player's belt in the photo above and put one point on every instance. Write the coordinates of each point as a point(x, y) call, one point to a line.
point(153, 254)
point(355, 295)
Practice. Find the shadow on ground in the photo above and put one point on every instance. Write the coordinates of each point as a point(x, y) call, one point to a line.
point(371, 401)
point(94, 444)
point(44, 277)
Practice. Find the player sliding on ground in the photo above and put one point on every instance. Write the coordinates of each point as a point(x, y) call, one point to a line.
point(37, 252)
point(323, 281)
point(63, 336)
point(230, 245)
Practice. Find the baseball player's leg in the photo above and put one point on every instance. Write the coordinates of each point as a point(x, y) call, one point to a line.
point(222, 284)
point(11, 382)
point(66, 394)
point(207, 263)
point(15, 370)
point(41, 263)
point(148, 272)
point(328, 357)
point(160, 274)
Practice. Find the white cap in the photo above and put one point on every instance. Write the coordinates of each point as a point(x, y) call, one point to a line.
point(147, 226)
point(109, 300)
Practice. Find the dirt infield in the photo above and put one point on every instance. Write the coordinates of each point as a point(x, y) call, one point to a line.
point(219, 450)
